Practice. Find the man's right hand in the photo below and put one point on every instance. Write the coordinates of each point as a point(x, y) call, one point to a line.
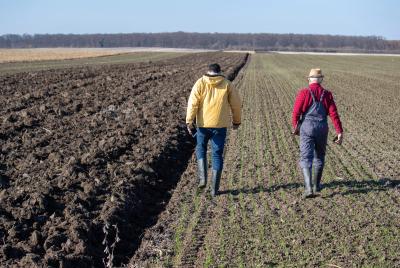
point(296, 130)
point(189, 127)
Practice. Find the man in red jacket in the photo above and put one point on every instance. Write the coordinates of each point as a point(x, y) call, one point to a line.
point(311, 108)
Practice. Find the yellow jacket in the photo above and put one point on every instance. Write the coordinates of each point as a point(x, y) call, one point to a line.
point(210, 102)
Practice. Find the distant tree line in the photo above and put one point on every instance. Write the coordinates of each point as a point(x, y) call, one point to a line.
point(289, 42)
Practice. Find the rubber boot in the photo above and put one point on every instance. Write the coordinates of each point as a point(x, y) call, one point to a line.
point(202, 172)
point(216, 177)
point(317, 179)
point(307, 183)
point(3, 183)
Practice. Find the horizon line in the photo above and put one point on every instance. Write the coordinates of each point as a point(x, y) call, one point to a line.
point(170, 32)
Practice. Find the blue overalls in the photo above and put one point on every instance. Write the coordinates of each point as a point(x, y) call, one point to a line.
point(314, 135)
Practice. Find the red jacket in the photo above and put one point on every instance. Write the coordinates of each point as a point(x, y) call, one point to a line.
point(304, 101)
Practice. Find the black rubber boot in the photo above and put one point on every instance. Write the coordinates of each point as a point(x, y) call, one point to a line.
point(3, 183)
point(317, 179)
point(307, 183)
point(202, 172)
point(216, 177)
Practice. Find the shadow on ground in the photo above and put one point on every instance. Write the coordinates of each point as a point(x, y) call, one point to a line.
point(350, 187)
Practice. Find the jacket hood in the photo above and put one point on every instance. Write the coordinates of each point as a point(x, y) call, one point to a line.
point(213, 80)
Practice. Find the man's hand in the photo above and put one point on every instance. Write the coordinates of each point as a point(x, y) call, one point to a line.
point(189, 127)
point(296, 130)
point(235, 126)
point(339, 139)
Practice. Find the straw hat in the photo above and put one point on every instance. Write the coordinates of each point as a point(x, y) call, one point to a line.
point(315, 73)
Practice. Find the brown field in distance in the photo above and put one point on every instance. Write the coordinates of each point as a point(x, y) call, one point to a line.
point(40, 54)
point(34, 54)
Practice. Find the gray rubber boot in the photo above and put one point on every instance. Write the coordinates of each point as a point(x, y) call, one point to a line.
point(317, 179)
point(307, 183)
point(202, 172)
point(216, 177)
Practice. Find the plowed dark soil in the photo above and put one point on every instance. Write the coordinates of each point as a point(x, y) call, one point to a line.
point(91, 154)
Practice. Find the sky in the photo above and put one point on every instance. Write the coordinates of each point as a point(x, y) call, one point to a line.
point(351, 17)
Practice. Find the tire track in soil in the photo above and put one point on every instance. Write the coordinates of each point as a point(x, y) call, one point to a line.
point(203, 255)
point(202, 221)
point(164, 252)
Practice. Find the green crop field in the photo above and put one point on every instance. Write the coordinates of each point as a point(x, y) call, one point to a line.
point(260, 219)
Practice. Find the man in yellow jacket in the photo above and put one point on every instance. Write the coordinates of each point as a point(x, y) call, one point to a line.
point(210, 103)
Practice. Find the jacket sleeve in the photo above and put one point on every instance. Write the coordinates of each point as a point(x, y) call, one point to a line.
point(297, 108)
point(194, 102)
point(236, 105)
point(333, 114)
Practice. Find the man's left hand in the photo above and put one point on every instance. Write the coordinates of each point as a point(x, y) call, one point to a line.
point(339, 139)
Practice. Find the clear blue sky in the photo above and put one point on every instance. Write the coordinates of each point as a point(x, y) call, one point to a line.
point(347, 17)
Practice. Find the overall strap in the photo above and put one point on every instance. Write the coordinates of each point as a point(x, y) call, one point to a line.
point(312, 95)
point(322, 95)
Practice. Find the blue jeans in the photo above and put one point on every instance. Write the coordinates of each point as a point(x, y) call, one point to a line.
point(217, 137)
